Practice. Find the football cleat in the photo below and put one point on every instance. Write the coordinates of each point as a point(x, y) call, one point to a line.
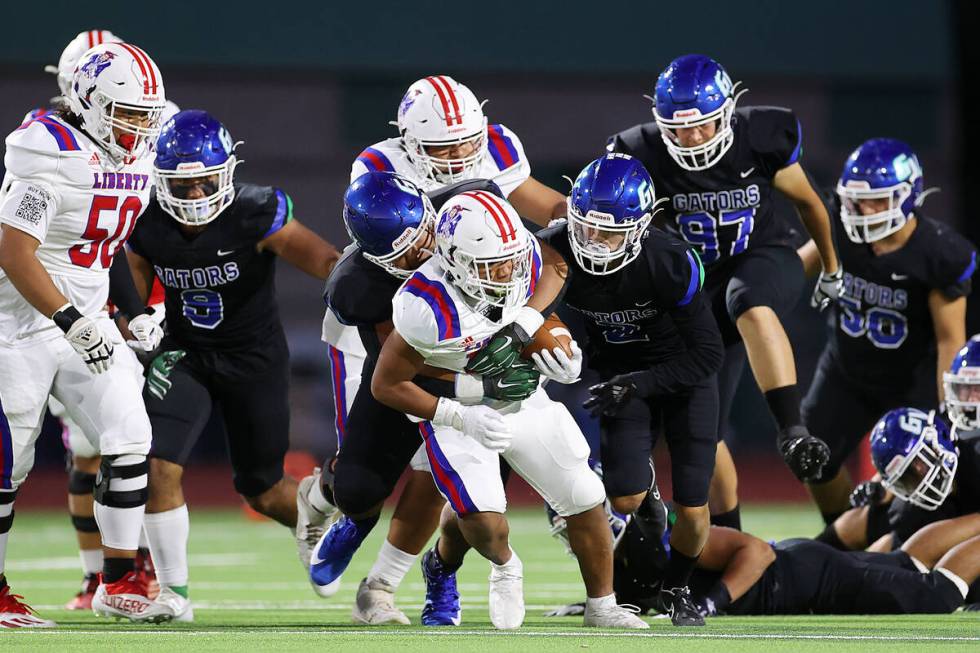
point(678, 604)
point(441, 596)
point(83, 600)
point(507, 594)
point(181, 605)
point(127, 599)
point(14, 613)
point(375, 605)
point(613, 616)
point(147, 572)
point(310, 522)
point(332, 554)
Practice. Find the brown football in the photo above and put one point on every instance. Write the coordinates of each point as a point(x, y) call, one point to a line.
point(553, 333)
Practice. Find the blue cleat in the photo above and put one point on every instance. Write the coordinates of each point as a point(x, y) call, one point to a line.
point(333, 553)
point(441, 596)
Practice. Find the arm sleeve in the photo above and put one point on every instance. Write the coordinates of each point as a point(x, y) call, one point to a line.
point(122, 288)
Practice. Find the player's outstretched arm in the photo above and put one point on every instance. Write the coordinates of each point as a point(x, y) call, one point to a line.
point(538, 203)
point(949, 325)
point(742, 559)
point(142, 272)
point(392, 384)
point(302, 248)
point(19, 261)
point(793, 182)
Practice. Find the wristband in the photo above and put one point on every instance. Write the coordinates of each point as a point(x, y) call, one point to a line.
point(66, 316)
point(529, 320)
point(469, 387)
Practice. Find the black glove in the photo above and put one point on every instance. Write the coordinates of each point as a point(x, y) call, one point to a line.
point(500, 353)
point(866, 494)
point(805, 454)
point(608, 397)
point(516, 383)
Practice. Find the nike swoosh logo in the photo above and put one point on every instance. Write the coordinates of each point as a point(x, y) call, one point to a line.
point(222, 252)
point(508, 385)
point(899, 277)
point(745, 174)
point(641, 304)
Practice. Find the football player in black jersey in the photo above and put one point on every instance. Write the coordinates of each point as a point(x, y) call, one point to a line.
point(902, 314)
point(656, 346)
point(717, 166)
point(213, 244)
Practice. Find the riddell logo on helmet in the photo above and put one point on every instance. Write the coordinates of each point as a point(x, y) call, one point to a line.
point(404, 238)
point(687, 113)
point(454, 130)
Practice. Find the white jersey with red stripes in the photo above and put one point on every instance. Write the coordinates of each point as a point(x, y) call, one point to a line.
point(505, 162)
point(61, 189)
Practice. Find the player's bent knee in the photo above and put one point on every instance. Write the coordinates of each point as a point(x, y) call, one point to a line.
point(84, 524)
point(358, 491)
point(123, 482)
point(585, 491)
point(628, 504)
point(87, 464)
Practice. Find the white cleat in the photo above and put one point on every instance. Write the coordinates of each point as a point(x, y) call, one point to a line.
point(127, 599)
point(14, 613)
point(612, 616)
point(181, 606)
point(507, 594)
point(310, 522)
point(375, 605)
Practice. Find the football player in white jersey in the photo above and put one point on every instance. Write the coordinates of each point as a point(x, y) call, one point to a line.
point(76, 182)
point(444, 138)
point(481, 281)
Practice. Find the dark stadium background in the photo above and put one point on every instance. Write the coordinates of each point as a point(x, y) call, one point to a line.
point(308, 84)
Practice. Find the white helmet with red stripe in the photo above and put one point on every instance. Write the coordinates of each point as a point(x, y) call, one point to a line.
point(437, 112)
point(65, 69)
point(117, 92)
point(485, 249)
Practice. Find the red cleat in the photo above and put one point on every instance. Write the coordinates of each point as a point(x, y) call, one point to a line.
point(83, 600)
point(147, 572)
point(15, 614)
point(127, 598)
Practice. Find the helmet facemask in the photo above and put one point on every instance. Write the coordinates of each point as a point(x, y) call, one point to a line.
point(126, 131)
point(862, 228)
point(475, 275)
point(216, 185)
point(704, 155)
point(923, 477)
point(601, 246)
point(447, 170)
point(962, 390)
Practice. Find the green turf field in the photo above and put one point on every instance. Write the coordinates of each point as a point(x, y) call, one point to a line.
point(251, 594)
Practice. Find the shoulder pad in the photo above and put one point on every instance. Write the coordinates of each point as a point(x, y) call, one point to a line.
point(504, 146)
point(373, 159)
point(774, 132)
point(424, 312)
point(33, 149)
point(635, 139)
point(677, 268)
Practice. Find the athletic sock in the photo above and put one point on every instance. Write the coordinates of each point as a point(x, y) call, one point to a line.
point(784, 404)
point(600, 602)
point(6, 521)
point(442, 564)
point(318, 500)
point(830, 537)
point(364, 526)
point(92, 560)
point(730, 519)
point(114, 569)
point(391, 565)
point(679, 569)
point(513, 562)
point(167, 533)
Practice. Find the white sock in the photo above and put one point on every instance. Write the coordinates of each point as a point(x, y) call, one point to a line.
point(168, 532)
point(317, 500)
point(91, 560)
point(144, 540)
point(391, 565)
point(600, 603)
point(514, 562)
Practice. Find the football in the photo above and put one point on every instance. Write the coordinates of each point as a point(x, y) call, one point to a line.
point(553, 333)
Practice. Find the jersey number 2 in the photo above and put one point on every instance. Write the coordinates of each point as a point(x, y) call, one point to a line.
point(102, 245)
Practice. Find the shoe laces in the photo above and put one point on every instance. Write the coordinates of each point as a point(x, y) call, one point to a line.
point(131, 583)
point(442, 592)
point(14, 603)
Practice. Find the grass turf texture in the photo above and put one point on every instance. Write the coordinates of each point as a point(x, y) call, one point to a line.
point(250, 593)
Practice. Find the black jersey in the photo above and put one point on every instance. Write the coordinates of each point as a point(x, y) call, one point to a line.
point(220, 290)
point(649, 314)
point(727, 208)
point(359, 293)
point(883, 331)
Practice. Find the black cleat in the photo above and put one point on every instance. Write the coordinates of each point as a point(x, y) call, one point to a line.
point(677, 602)
point(805, 454)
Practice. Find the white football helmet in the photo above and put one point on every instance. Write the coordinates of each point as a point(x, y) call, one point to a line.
point(65, 70)
point(475, 234)
point(438, 111)
point(117, 92)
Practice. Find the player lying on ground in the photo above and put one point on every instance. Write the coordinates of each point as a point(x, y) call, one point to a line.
point(718, 167)
point(902, 314)
point(214, 245)
point(467, 307)
point(444, 138)
point(655, 345)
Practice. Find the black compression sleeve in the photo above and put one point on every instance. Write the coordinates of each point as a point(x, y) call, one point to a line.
point(437, 387)
point(122, 288)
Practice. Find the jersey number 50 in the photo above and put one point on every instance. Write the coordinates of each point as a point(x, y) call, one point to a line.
point(702, 229)
point(102, 245)
point(885, 328)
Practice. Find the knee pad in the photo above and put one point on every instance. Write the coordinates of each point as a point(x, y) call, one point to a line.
point(84, 524)
point(80, 482)
point(7, 510)
point(122, 481)
point(584, 492)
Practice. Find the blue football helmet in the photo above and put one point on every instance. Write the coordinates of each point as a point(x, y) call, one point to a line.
point(881, 169)
point(962, 387)
point(386, 215)
point(609, 209)
point(915, 456)
point(695, 90)
point(194, 169)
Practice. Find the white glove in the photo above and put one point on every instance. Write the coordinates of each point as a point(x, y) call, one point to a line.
point(482, 423)
point(147, 332)
point(92, 345)
point(829, 287)
point(558, 365)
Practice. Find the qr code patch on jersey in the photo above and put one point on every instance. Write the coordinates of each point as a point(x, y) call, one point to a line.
point(33, 205)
